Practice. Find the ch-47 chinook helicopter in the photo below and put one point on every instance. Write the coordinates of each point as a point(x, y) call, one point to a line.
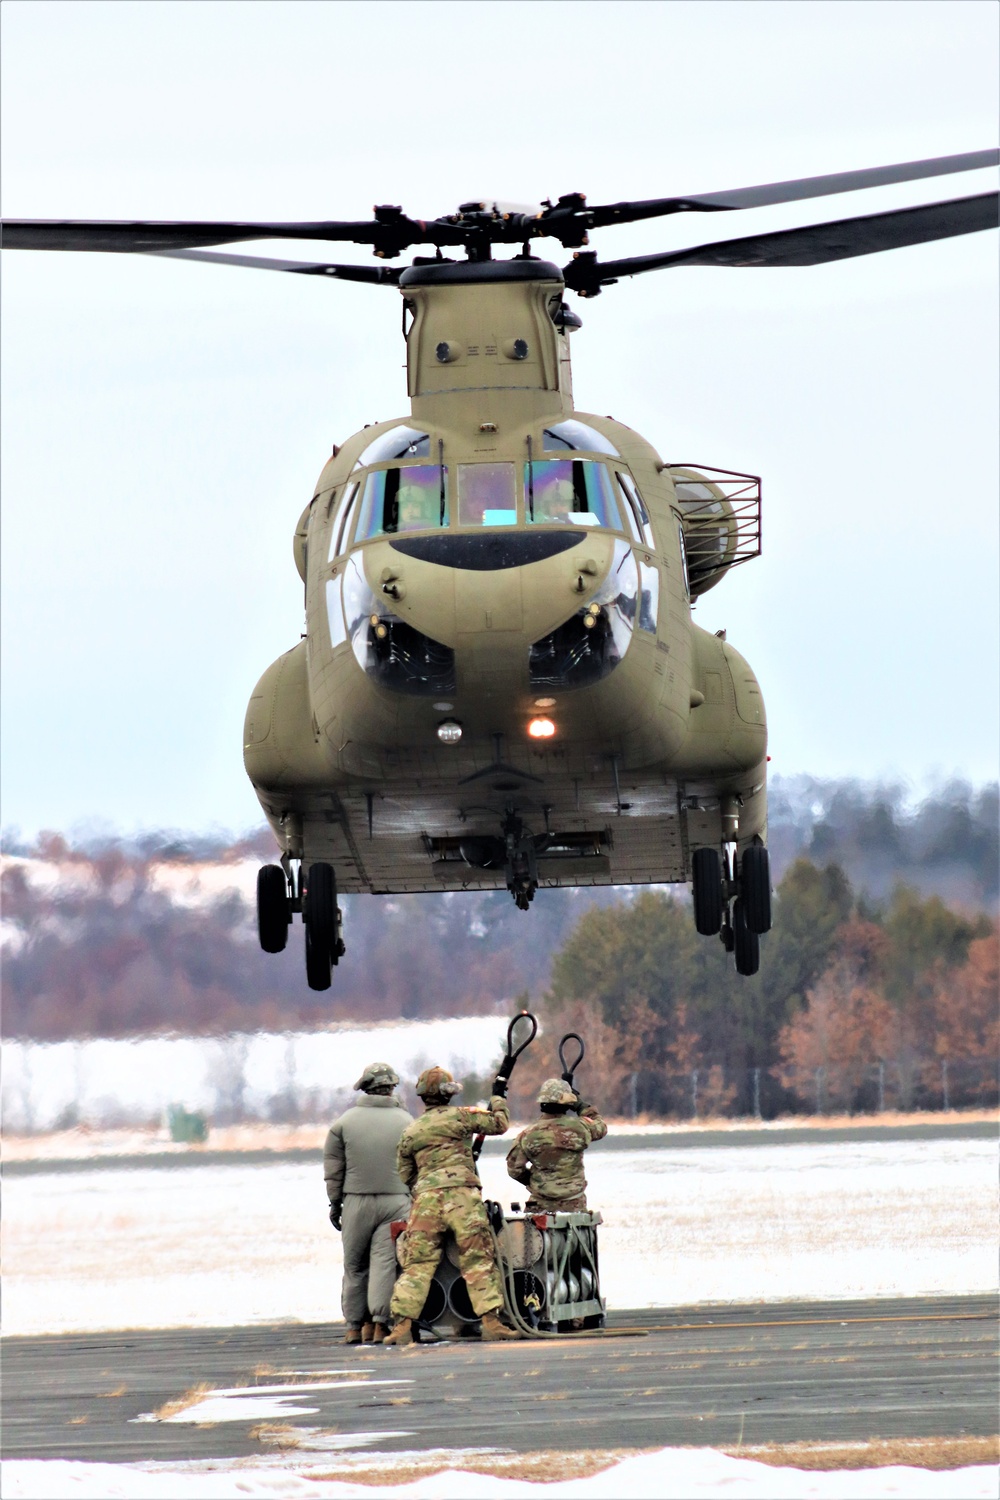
point(501, 683)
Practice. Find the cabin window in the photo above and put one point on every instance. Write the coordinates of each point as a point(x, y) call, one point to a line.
point(649, 596)
point(570, 492)
point(398, 442)
point(486, 495)
point(684, 560)
point(401, 500)
point(335, 612)
point(574, 434)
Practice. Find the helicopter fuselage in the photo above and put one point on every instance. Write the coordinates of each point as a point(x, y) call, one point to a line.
point(500, 661)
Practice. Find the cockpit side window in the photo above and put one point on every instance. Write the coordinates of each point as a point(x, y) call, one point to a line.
point(339, 527)
point(637, 506)
point(573, 492)
point(414, 498)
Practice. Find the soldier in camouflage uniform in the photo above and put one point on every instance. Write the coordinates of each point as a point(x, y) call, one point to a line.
point(435, 1161)
point(548, 1156)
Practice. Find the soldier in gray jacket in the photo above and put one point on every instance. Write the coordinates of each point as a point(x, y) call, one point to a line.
point(366, 1194)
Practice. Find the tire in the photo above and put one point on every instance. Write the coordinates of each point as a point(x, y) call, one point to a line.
point(319, 970)
point(273, 909)
point(755, 887)
point(706, 877)
point(747, 944)
point(319, 910)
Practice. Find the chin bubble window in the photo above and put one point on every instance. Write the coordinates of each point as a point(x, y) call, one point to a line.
point(400, 500)
point(486, 495)
point(571, 492)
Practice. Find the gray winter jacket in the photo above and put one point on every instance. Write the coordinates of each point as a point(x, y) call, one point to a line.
point(360, 1151)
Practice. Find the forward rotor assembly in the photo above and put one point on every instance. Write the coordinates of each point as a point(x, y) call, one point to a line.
point(477, 227)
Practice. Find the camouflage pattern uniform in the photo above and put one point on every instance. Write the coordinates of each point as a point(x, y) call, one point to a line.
point(548, 1156)
point(434, 1160)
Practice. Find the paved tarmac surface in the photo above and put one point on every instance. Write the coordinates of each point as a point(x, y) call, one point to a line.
point(677, 1140)
point(771, 1373)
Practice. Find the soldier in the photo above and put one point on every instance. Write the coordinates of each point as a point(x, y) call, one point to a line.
point(548, 1156)
point(366, 1194)
point(435, 1161)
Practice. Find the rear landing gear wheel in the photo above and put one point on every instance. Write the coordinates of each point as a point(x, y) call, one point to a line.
point(706, 876)
point(319, 970)
point(755, 887)
point(746, 945)
point(321, 916)
point(273, 908)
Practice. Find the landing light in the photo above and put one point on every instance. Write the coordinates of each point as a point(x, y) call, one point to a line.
point(541, 729)
point(545, 703)
point(449, 733)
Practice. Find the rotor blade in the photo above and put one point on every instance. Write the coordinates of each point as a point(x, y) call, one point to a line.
point(792, 191)
point(811, 245)
point(375, 275)
point(148, 235)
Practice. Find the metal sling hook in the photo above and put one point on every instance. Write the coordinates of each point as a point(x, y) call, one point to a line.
point(511, 1056)
point(567, 1070)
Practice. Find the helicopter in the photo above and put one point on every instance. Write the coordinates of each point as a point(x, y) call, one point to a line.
point(501, 684)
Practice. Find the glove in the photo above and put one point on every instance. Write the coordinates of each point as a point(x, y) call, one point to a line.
point(500, 1085)
point(336, 1209)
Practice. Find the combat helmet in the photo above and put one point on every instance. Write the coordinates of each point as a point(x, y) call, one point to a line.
point(556, 1091)
point(437, 1083)
point(377, 1075)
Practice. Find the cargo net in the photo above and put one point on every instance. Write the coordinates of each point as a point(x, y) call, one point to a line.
point(720, 520)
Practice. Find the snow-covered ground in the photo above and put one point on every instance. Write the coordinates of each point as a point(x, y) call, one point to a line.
point(104, 1081)
point(200, 1246)
point(671, 1474)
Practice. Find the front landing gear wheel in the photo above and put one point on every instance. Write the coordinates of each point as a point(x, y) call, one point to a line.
point(746, 944)
point(706, 877)
point(755, 887)
point(273, 908)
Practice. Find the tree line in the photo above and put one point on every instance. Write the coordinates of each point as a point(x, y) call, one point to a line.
point(95, 944)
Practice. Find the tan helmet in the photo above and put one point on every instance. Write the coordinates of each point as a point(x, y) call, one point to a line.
point(556, 1091)
point(437, 1082)
point(377, 1076)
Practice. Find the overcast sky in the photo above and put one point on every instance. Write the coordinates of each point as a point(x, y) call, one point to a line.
point(163, 423)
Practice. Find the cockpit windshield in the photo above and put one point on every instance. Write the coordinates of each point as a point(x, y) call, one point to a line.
point(572, 434)
point(398, 442)
point(572, 492)
point(414, 498)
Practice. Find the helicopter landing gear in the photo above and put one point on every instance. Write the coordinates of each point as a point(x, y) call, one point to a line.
point(755, 887)
point(521, 863)
point(274, 908)
point(746, 944)
point(322, 919)
point(706, 875)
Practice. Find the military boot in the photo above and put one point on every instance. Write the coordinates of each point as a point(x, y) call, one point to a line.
point(494, 1331)
point(402, 1334)
point(352, 1336)
point(380, 1332)
point(368, 1333)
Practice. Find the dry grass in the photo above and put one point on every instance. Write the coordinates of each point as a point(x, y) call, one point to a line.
point(276, 1435)
point(876, 1453)
point(551, 1466)
point(539, 1467)
point(181, 1403)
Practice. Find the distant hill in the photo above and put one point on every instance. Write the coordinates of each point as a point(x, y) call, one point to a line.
point(107, 936)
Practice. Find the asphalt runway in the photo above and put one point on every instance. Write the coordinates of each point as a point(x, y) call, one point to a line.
point(704, 1376)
